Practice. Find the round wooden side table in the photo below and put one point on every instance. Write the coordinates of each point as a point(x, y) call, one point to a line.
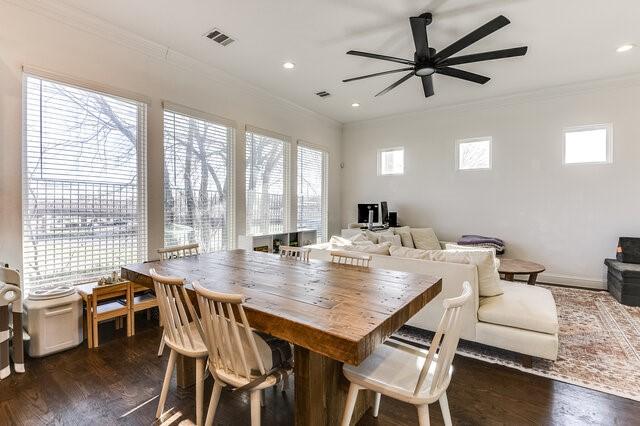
point(511, 267)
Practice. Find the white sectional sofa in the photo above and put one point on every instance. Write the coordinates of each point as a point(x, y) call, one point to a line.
point(523, 319)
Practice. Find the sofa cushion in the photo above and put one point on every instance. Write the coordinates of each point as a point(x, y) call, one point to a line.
point(457, 247)
point(395, 240)
point(405, 236)
point(521, 306)
point(488, 277)
point(425, 239)
point(382, 248)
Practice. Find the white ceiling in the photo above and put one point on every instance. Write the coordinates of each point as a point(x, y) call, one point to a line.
point(569, 41)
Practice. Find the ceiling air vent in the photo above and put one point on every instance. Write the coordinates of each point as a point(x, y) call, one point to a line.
point(323, 93)
point(219, 37)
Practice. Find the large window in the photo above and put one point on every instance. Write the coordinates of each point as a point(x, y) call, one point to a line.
point(84, 212)
point(312, 190)
point(198, 189)
point(588, 144)
point(267, 182)
point(473, 154)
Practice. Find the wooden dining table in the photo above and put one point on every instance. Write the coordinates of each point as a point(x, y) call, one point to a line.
point(331, 313)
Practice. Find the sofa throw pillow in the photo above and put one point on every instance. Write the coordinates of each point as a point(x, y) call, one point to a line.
point(410, 253)
point(395, 240)
point(451, 246)
point(488, 277)
point(340, 241)
point(425, 239)
point(405, 236)
point(382, 248)
point(358, 238)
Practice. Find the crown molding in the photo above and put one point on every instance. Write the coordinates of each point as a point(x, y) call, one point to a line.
point(538, 95)
point(83, 21)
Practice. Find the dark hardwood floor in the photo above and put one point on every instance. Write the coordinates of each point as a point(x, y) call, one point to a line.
point(118, 383)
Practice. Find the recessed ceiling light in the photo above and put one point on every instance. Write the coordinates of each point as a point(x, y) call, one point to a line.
point(288, 65)
point(355, 105)
point(624, 48)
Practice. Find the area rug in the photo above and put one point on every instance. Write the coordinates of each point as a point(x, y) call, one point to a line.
point(599, 344)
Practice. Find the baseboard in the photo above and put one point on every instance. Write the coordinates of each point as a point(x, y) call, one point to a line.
point(572, 281)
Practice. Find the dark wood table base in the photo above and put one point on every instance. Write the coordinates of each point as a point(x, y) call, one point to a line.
point(321, 391)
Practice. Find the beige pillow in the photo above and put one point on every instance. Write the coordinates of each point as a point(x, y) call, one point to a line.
point(488, 277)
point(407, 252)
point(359, 237)
point(405, 236)
point(450, 246)
point(395, 240)
point(382, 248)
point(374, 237)
point(425, 239)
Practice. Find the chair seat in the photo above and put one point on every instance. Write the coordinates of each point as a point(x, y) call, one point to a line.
point(107, 307)
point(274, 352)
point(521, 306)
point(198, 349)
point(393, 370)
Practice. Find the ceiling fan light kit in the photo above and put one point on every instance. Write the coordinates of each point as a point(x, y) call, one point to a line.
point(427, 61)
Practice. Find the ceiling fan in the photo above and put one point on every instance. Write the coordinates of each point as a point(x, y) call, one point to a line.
point(427, 61)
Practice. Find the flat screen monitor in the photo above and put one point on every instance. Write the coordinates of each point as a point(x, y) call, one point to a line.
point(363, 213)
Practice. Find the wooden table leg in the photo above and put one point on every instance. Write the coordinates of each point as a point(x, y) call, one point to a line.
point(321, 391)
point(185, 375)
point(532, 279)
point(88, 323)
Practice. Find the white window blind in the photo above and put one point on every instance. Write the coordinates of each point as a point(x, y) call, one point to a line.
point(267, 183)
point(312, 190)
point(198, 188)
point(84, 198)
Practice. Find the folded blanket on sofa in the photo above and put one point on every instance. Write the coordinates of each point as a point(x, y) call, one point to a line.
point(480, 241)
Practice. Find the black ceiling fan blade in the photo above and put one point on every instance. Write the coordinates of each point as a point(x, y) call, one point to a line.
point(464, 75)
point(376, 74)
point(381, 57)
point(419, 31)
point(396, 84)
point(484, 56)
point(427, 85)
point(472, 37)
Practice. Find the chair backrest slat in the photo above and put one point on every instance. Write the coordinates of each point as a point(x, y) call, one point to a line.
point(298, 253)
point(229, 348)
point(350, 258)
point(444, 343)
point(171, 297)
point(174, 252)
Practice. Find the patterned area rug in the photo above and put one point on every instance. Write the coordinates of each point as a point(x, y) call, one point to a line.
point(599, 344)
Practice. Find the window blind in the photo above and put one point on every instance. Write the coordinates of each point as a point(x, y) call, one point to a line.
point(84, 198)
point(312, 190)
point(198, 189)
point(267, 171)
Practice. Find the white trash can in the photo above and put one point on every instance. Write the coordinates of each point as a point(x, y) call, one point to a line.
point(53, 319)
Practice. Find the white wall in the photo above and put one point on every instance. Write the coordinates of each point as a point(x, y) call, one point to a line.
point(566, 217)
point(89, 50)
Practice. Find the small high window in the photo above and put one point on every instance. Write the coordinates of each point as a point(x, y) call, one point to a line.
point(391, 161)
point(587, 144)
point(473, 154)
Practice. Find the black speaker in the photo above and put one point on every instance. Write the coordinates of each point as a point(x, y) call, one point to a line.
point(393, 219)
point(385, 212)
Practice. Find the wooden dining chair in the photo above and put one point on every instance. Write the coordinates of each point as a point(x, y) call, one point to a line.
point(238, 356)
point(107, 304)
point(350, 258)
point(10, 295)
point(409, 374)
point(298, 253)
point(181, 335)
point(175, 252)
point(142, 299)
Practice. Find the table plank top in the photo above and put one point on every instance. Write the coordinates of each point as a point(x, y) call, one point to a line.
point(339, 311)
